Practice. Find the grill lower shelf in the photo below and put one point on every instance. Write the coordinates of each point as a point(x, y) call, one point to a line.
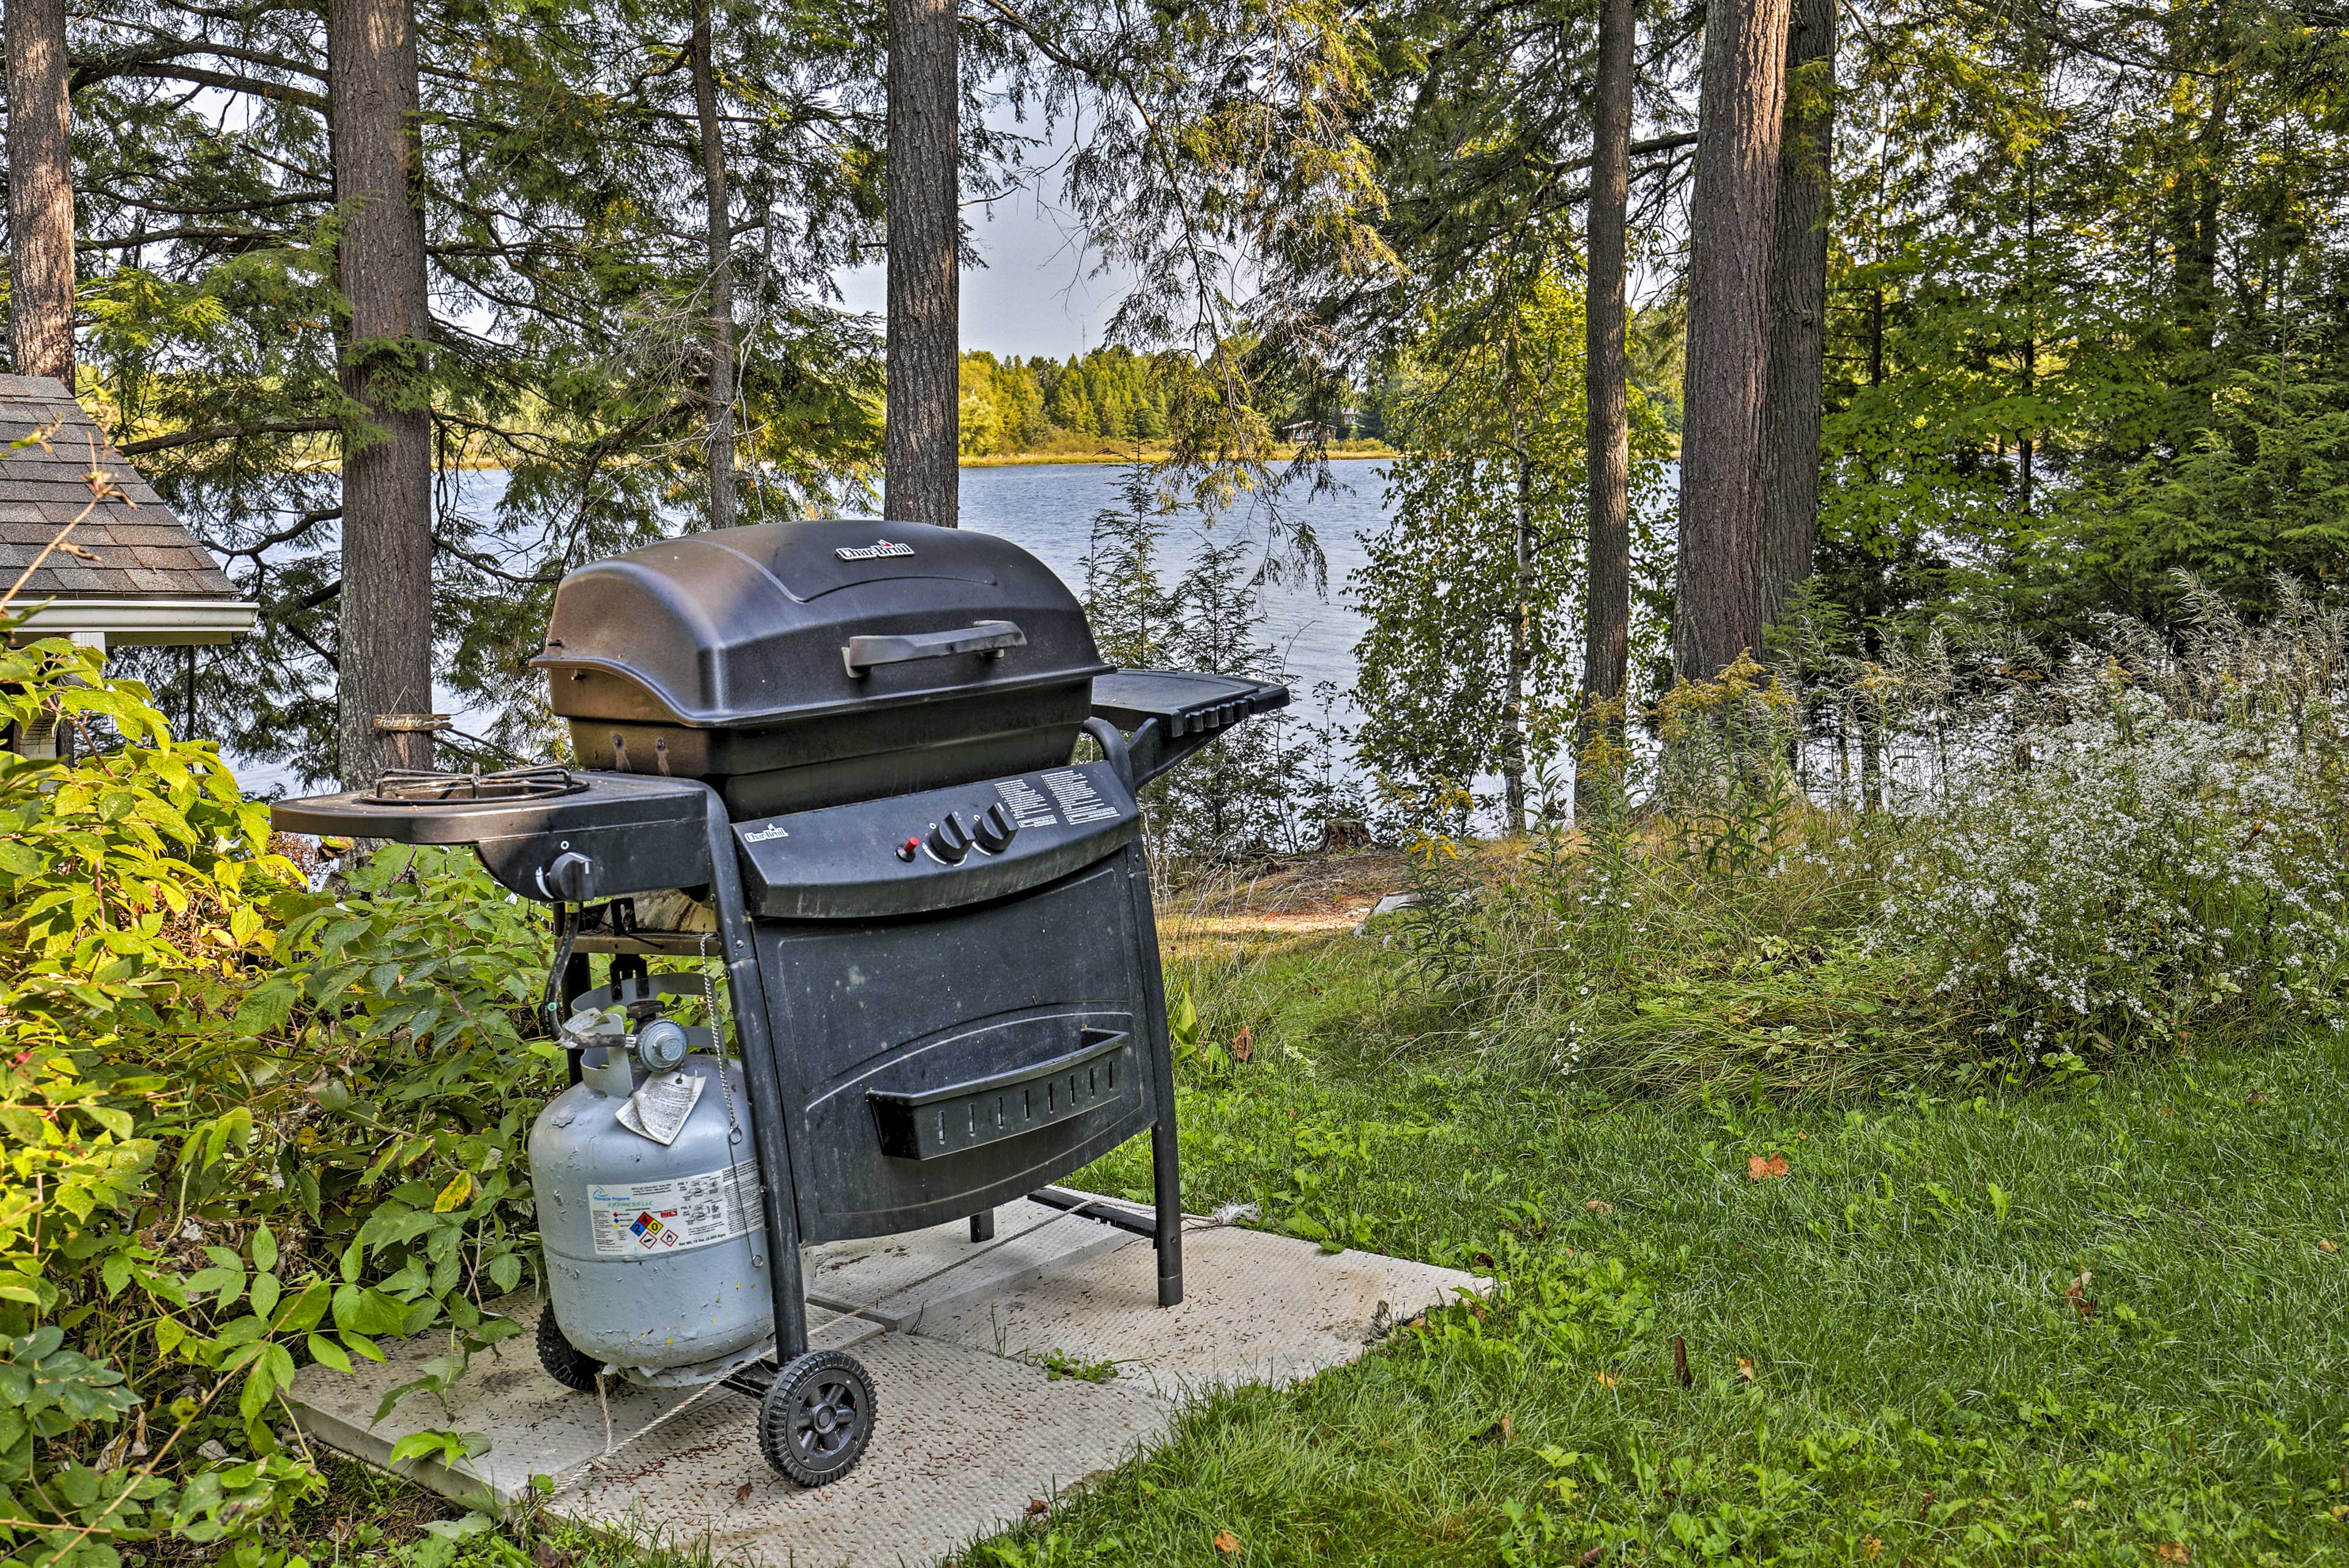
point(958, 1117)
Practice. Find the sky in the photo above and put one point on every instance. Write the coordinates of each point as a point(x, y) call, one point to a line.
point(1033, 296)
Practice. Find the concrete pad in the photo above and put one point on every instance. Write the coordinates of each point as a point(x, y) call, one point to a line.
point(1255, 1308)
point(534, 1425)
point(962, 1443)
point(896, 1280)
point(968, 1429)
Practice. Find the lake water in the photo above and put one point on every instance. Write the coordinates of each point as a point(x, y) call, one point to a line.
point(1047, 509)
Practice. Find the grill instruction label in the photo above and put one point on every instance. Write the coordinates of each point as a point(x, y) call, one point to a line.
point(649, 1218)
point(1078, 800)
point(1027, 805)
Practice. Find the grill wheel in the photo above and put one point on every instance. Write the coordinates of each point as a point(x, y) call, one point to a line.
point(568, 1366)
point(816, 1418)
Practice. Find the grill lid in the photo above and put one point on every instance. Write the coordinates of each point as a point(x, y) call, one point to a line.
point(785, 622)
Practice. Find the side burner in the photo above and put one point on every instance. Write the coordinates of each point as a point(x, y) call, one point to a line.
point(595, 836)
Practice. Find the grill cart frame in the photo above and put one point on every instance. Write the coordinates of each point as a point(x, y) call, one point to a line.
point(851, 1138)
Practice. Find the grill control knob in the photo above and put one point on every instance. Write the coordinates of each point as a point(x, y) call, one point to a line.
point(949, 840)
point(995, 830)
point(567, 876)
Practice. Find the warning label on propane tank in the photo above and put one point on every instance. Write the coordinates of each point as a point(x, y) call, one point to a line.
point(652, 1217)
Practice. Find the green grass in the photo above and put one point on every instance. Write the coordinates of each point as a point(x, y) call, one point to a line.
point(1923, 1388)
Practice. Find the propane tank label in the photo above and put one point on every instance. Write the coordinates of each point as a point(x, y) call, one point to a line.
point(653, 1218)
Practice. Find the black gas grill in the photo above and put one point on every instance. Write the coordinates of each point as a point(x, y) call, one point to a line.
point(838, 754)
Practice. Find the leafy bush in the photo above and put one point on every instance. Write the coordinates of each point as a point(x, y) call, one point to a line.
point(2160, 850)
point(250, 1126)
point(2044, 861)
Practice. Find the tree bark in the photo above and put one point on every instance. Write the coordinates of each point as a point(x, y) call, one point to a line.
point(1741, 111)
point(384, 657)
point(719, 441)
point(1521, 609)
point(40, 192)
point(2026, 447)
point(1798, 309)
point(921, 482)
point(1607, 629)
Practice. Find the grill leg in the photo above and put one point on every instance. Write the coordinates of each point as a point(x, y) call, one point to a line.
point(982, 1226)
point(1167, 1178)
point(1165, 1168)
point(769, 1126)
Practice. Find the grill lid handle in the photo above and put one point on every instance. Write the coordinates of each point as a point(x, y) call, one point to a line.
point(988, 637)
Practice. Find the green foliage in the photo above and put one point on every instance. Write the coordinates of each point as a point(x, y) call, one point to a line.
point(2086, 326)
point(1108, 397)
point(1489, 498)
point(560, 171)
point(1058, 1365)
point(2049, 863)
point(251, 1126)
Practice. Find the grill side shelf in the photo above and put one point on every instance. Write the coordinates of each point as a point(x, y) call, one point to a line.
point(1168, 714)
point(958, 1117)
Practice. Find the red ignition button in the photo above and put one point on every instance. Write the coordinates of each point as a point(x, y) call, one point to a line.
point(907, 850)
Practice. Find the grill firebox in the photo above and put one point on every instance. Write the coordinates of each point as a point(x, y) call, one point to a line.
point(836, 756)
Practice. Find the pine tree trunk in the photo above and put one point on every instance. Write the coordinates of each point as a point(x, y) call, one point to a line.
point(2026, 449)
point(1719, 607)
point(719, 439)
point(1798, 308)
point(385, 659)
point(1607, 637)
point(1512, 753)
point(40, 193)
point(920, 480)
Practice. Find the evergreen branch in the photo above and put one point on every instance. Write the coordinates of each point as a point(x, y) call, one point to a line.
point(255, 87)
point(164, 236)
point(482, 563)
point(287, 535)
point(1671, 143)
point(228, 432)
point(98, 68)
point(259, 204)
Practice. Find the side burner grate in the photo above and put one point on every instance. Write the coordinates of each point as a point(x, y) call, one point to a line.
point(422, 787)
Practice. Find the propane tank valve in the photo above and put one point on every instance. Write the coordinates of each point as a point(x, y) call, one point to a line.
point(662, 1045)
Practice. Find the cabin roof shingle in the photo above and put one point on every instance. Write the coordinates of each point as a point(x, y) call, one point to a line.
point(137, 548)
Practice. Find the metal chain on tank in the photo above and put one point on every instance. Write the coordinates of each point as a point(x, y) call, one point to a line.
point(726, 1088)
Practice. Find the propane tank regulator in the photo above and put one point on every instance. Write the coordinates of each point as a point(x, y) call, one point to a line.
point(661, 1045)
point(602, 1036)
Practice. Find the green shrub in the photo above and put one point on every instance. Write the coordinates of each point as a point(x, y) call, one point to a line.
point(250, 1126)
point(2157, 848)
point(2047, 861)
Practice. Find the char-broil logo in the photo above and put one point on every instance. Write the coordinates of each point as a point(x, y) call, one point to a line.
point(765, 835)
point(873, 552)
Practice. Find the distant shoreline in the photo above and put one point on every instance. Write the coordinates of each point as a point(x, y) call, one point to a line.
point(1014, 460)
point(1041, 459)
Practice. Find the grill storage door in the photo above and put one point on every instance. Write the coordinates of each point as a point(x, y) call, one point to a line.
point(936, 1065)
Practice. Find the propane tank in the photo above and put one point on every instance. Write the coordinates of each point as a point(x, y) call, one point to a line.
point(653, 1253)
